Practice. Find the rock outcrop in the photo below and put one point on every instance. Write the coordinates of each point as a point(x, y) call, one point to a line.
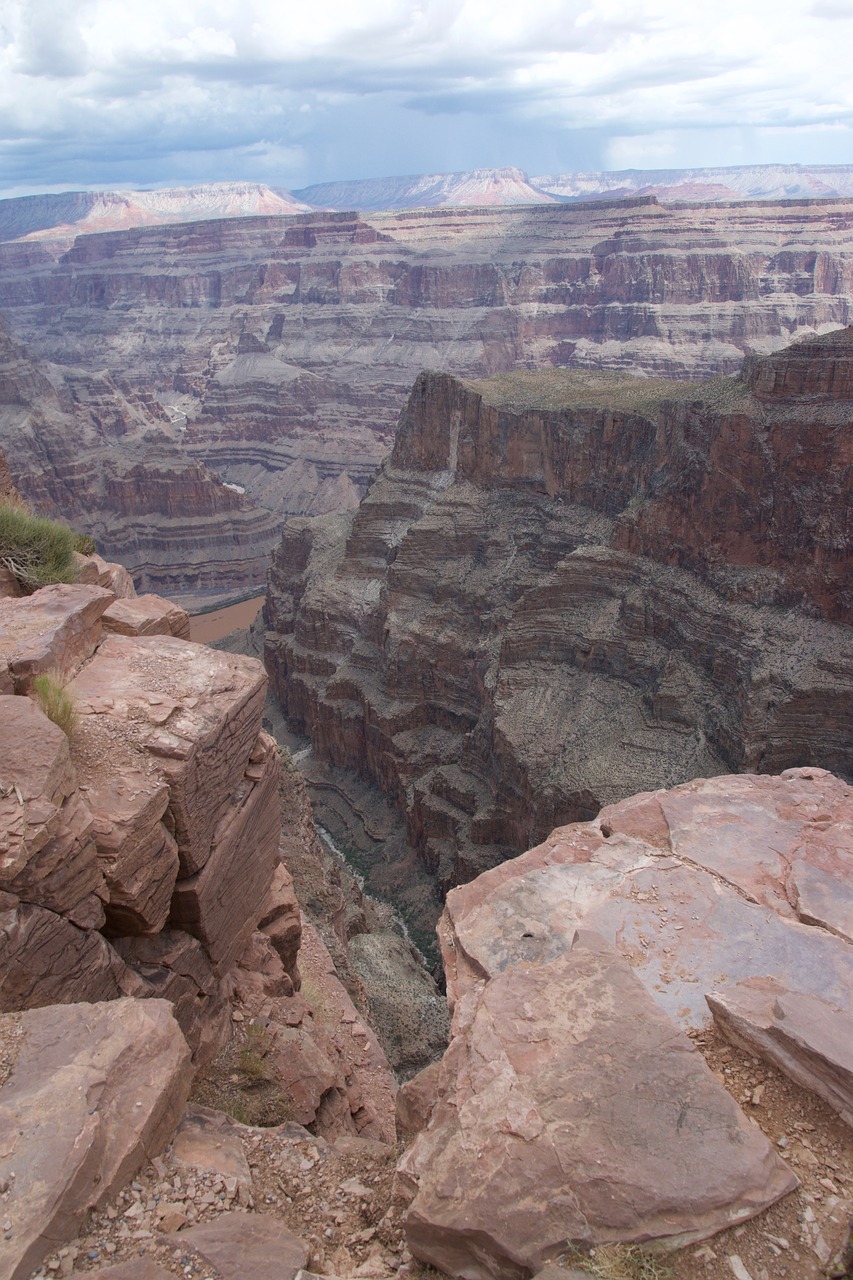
point(95, 1091)
point(573, 973)
point(108, 461)
point(564, 588)
point(281, 349)
point(124, 867)
point(140, 857)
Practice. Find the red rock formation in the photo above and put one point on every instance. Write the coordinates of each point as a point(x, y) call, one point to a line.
point(141, 819)
point(544, 604)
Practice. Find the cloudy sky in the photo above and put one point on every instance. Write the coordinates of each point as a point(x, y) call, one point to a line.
point(158, 92)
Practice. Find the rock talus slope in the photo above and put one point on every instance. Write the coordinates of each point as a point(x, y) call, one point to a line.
point(562, 589)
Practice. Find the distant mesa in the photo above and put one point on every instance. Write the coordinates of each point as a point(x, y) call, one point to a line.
point(66, 214)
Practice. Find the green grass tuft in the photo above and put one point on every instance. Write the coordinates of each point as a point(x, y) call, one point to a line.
point(35, 550)
point(55, 700)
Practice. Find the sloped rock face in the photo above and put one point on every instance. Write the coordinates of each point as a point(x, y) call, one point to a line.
point(136, 855)
point(562, 1035)
point(95, 1091)
point(290, 343)
point(546, 603)
point(107, 460)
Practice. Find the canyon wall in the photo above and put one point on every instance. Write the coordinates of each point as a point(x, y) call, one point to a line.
point(565, 588)
point(280, 349)
point(107, 460)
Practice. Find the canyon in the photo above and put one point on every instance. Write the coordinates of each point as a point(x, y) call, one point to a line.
point(565, 588)
point(152, 945)
point(277, 352)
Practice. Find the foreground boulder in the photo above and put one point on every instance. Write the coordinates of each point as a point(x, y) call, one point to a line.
point(573, 972)
point(95, 1090)
point(571, 1108)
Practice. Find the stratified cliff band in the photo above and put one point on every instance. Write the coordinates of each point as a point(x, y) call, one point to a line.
point(566, 588)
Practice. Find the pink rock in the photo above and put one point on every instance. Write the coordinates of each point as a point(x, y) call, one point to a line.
point(174, 966)
point(191, 710)
point(281, 921)
point(244, 1246)
point(95, 1091)
point(415, 1101)
point(136, 852)
point(808, 1038)
point(221, 903)
point(137, 1269)
point(45, 960)
point(57, 628)
point(147, 615)
point(210, 1140)
point(47, 847)
point(571, 1108)
point(114, 577)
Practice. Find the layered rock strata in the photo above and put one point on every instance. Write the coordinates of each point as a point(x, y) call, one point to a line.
point(137, 854)
point(573, 974)
point(140, 851)
point(109, 461)
point(562, 589)
point(285, 346)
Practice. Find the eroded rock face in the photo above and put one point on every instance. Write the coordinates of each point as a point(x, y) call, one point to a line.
point(685, 892)
point(136, 854)
point(95, 1091)
point(290, 344)
point(106, 460)
point(546, 603)
point(571, 1109)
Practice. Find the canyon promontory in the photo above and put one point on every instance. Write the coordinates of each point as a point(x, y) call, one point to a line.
point(563, 588)
point(277, 351)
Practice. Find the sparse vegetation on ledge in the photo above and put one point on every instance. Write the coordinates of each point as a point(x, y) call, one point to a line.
point(524, 389)
point(36, 551)
point(55, 700)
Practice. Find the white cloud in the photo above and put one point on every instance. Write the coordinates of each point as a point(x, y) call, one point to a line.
point(100, 87)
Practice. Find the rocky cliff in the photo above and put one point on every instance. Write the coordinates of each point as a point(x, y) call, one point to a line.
point(564, 588)
point(109, 461)
point(286, 346)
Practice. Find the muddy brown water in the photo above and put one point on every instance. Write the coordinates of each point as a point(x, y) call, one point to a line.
point(205, 627)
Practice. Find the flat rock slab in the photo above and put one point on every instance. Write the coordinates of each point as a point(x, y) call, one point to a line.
point(56, 627)
point(688, 922)
point(208, 1139)
point(808, 1038)
point(244, 1246)
point(147, 615)
point(571, 1108)
point(95, 1091)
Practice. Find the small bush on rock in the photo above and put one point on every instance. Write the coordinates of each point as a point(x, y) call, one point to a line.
point(36, 551)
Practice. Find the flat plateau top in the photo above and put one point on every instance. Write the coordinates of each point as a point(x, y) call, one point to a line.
point(555, 389)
